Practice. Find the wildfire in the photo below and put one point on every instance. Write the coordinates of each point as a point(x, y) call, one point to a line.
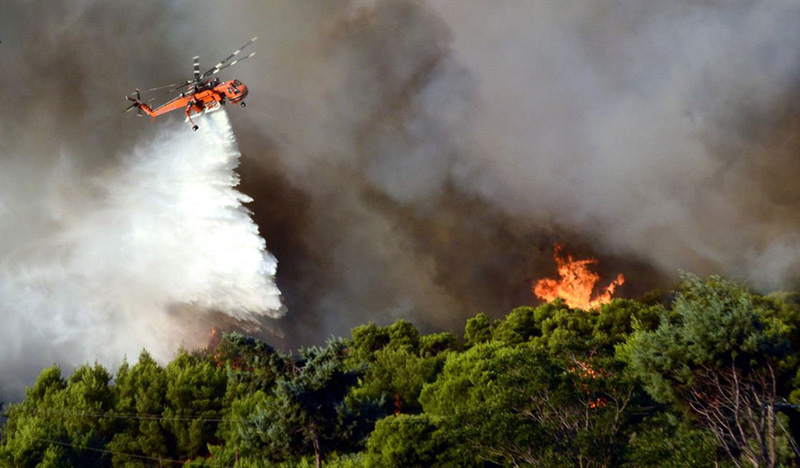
point(576, 284)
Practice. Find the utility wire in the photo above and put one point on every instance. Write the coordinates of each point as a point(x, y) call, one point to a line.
point(146, 417)
point(132, 455)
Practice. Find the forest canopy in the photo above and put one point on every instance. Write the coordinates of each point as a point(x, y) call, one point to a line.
point(706, 375)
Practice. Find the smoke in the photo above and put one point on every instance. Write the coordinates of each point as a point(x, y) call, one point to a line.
point(438, 149)
point(664, 131)
point(419, 159)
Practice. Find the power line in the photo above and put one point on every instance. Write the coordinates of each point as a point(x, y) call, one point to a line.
point(132, 455)
point(146, 417)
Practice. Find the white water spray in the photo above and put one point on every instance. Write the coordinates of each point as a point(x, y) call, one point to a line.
point(132, 259)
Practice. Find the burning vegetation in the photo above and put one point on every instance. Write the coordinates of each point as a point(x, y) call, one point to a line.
point(576, 283)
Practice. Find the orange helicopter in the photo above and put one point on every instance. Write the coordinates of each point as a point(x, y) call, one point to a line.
point(202, 94)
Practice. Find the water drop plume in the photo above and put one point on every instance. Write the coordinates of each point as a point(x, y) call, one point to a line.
point(139, 256)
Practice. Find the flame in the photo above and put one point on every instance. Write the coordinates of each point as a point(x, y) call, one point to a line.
point(586, 371)
point(214, 339)
point(576, 284)
point(398, 404)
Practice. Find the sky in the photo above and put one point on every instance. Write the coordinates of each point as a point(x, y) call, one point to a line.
point(396, 159)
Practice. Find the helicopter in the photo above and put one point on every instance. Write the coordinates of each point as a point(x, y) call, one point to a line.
point(201, 94)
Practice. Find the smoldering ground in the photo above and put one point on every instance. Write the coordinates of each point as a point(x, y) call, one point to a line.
point(418, 159)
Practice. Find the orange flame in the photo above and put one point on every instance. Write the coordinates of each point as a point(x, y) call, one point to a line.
point(398, 404)
point(576, 284)
point(585, 371)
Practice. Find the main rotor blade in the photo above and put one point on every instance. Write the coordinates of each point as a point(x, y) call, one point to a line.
point(217, 70)
point(222, 64)
point(162, 87)
point(196, 65)
point(170, 91)
point(235, 52)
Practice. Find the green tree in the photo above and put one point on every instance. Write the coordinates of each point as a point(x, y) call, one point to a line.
point(251, 365)
point(564, 331)
point(408, 441)
point(30, 429)
point(478, 330)
point(58, 423)
point(477, 397)
point(367, 339)
point(437, 343)
point(665, 442)
point(396, 377)
point(717, 355)
point(398, 361)
point(306, 411)
point(195, 393)
point(238, 432)
point(520, 325)
point(88, 395)
point(141, 400)
point(403, 335)
point(518, 405)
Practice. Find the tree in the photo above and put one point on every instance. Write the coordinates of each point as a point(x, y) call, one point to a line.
point(141, 395)
point(396, 377)
point(437, 343)
point(665, 442)
point(367, 339)
point(413, 441)
point(58, 421)
point(29, 428)
point(307, 410)
point(577, 334)
point(519, 326)
point(518, 405)
point(398, 366)
point(396, 362)
point(195, 393)
point(478, 330)
point(251, 365)
point(717, 355)
point(403, 335)
point(370, 338)
point(87, 395)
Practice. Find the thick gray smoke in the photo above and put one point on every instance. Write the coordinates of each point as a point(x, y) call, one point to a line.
point(664, 130)
point(418, 159)
point(438, 149)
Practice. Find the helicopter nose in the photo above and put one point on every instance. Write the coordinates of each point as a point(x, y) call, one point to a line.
point(242, 94)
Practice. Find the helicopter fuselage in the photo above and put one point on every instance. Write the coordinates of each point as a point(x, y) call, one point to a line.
point(205, 96)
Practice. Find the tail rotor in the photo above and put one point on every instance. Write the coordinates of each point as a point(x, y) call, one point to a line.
point(137, 103)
